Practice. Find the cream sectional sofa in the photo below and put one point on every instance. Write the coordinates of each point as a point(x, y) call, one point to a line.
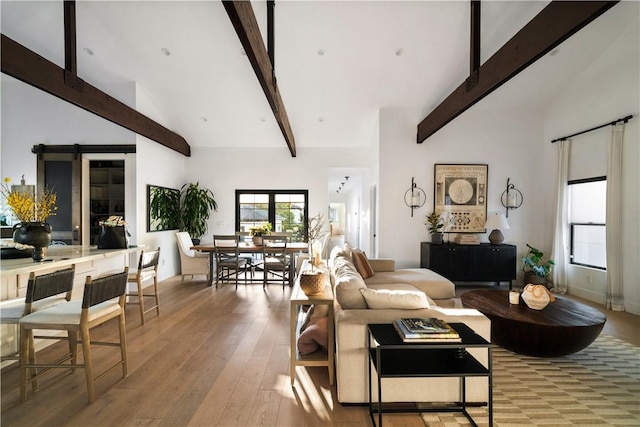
point(419, 292)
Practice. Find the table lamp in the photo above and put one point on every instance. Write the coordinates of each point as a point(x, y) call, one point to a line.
point(496, 222)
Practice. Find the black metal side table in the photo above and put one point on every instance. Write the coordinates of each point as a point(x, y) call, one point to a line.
point(393, 358)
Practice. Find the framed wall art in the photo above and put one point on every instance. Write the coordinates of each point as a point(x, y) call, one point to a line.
point(460, 197)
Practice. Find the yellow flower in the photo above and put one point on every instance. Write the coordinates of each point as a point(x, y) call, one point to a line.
point(29, 207)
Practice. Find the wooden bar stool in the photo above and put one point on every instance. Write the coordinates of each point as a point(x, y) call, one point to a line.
point(145, 276)
point(103, 300)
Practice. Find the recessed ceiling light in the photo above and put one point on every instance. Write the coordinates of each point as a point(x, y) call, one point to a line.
point(321, 52)
point(204, 119)
point(165, 51)
point(321, 119)
point(554, 52)
point(243, 53)
point(262, 119)
point(399, 52)
point(88, 51)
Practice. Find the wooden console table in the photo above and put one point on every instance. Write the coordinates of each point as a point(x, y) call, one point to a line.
point(298, 299)
point(470, 263)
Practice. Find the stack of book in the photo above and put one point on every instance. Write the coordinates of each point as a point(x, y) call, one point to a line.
point(425, 330)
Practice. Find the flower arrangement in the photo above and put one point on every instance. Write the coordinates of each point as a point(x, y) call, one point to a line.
point(27, 206)
point(314, 233)
point(261, 230)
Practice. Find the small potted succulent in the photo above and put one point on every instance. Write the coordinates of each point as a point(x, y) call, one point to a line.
point(536, 270)
point(434, 224)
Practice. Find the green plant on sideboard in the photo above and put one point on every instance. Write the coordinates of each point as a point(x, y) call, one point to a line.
point(195, 208)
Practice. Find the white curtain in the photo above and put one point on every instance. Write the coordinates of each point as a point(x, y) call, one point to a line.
point(560, 250)
point(615, 300)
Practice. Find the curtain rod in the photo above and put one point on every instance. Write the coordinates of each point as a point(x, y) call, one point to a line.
point(615, 122)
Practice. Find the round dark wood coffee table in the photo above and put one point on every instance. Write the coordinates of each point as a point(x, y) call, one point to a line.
point(562, 327)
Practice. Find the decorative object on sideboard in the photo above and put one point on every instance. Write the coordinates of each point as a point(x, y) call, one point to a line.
point(32, 209)
point(537, 297)
point(434, 225)
point(113, 233)
point(315, 231)
point(312, 282)
point(496, 222)
point(511, 198)
point(415, 196)
point(536, 270)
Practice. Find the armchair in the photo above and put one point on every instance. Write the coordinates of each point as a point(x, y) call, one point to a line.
point(192, 263)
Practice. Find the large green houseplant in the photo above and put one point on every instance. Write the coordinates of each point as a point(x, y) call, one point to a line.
point(536, 270)
point(196, 204)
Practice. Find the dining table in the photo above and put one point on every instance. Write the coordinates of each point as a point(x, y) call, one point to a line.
point(294, 248)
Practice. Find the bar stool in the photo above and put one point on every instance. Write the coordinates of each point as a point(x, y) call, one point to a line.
point(11, 311)
point(147, 271)
point(98, 305)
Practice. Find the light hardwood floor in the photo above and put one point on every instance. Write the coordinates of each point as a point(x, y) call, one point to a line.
point(214, 357)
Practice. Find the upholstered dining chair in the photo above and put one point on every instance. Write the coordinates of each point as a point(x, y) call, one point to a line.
point(58, 291)
point(275, 258)
point(192, 263)
point(229, 263)
point(103, 300)
point(145, 277)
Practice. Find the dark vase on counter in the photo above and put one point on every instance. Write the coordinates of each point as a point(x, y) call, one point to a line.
point(36, 234)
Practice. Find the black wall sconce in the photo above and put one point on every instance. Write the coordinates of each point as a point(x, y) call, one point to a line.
point(511, 198)
point(414, 197)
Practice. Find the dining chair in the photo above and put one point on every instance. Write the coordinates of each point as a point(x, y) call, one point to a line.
point(275, 260)
point(253, 260)
point(103, 300)
point(11, 311)
point(228, 261)
point(145, 277)
point(192, 263)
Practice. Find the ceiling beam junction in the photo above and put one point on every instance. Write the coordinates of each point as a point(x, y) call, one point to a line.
point(27, 66)
point(553, 25)
point(246, 26)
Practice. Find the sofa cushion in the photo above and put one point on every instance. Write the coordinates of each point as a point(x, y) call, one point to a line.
point(397, 299)
point(429, 282)
point(362, 263)
point(347, 284)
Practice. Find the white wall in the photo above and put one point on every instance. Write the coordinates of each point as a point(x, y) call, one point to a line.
point(498, 138)
point(224, 170)
point(606, 90)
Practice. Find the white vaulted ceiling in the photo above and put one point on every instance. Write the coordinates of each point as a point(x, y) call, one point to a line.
point(336, 62)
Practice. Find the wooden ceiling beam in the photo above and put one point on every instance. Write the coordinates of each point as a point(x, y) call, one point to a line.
point(246, 26)
point(31, 68)
point(554, 24)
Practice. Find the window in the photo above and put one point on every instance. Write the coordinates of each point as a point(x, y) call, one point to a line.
point(285, 210)
point(587, 218)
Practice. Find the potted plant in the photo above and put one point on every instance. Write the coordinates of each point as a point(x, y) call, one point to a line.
point(195, 209)
point(32, 210)
point(536, 271)
point(434, 225)
point(259, 231)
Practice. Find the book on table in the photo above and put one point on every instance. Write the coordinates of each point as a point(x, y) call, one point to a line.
point(425, 330)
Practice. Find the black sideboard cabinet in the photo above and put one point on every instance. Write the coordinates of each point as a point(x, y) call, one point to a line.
point(470, 263)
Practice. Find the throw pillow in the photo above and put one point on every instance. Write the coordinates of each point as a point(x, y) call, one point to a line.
point(315, 336)
point(362, 263)
point(347, 284)
point(395, 299)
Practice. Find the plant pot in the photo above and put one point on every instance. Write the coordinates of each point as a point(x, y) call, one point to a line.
point(436, 238)
point(36, 234)
point(257, 240)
